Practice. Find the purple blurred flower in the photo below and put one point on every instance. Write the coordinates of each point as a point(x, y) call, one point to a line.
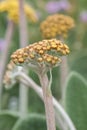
point(52, 7)
point(2, 44)
point(56, 6)
point(83, 16)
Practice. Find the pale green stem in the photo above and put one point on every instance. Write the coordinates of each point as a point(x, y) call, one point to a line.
point(23, 91)
point(5, 54)
point(29, 82)
point(63, 74)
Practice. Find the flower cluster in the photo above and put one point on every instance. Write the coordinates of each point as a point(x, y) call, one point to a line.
point(45, 52)
point(12, 8)
point(56, 25)
point(7, 76)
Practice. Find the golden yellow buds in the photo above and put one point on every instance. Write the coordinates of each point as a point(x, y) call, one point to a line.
point(44, 52)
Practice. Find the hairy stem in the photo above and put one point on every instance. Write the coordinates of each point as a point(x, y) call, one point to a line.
point(48, 102)
point(5, 54)
point(23, 91)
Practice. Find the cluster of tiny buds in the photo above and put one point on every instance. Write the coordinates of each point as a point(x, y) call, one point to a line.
point(7, 76)
point(47, 52)
point(56, 25)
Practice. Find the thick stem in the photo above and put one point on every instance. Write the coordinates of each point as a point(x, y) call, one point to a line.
point(48, 102)
point(5, 54)
point(23, 91)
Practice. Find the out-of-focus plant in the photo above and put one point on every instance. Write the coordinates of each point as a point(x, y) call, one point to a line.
point(57, 25)
point(4, 56)
point(11, 7)
point(56, 6)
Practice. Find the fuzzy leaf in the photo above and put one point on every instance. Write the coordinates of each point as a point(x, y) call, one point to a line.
point(76, 100)
point(31, 122)
point(7, 120)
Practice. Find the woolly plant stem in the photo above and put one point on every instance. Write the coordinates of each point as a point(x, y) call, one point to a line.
point(5, 54)
point(48, 102)
point(29, 82)
point(23, 91)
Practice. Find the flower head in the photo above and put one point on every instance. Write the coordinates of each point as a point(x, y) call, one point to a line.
point(56, 25)
point(12, 8)
point(43, 53)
